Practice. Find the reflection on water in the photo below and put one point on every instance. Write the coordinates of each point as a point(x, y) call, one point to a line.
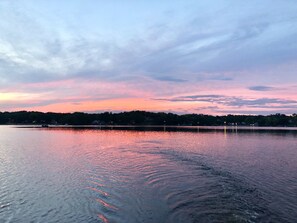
point(88, 175)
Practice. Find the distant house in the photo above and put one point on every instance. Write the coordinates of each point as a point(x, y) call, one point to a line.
point(54, 122)
point(95, 122)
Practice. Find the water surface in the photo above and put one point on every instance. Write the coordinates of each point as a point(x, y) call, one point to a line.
point(93, 175)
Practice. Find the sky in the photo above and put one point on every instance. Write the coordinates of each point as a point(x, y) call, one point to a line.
point(187, 56)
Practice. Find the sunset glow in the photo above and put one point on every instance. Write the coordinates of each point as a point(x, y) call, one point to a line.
point(172, 56)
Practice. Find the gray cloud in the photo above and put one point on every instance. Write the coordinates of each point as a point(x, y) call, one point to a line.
point(260, 103)
point(170, 53)
point(235, 45)
point(194, 98)
point(262, 88)
point(170, 79)
point(233, 101)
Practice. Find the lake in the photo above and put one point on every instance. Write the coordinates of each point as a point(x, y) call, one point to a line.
point(132, 175)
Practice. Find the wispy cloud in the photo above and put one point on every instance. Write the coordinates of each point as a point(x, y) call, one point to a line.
point(179, 49)
point(170, 79)
point(235, 101)
point(262, 88)
point(169, 54)
point(260, 102)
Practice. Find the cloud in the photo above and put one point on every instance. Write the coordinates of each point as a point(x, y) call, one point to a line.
point(202, 48)
point(234, 101)
point(193, 98)
point(262, 88)
point(29, 103)
point(260, 102)
point(171, 53)
point(170, 79)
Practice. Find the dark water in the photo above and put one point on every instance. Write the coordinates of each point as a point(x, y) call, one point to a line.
point(67, 175)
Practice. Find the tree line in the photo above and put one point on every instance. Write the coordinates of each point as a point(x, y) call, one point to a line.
point(145, 118)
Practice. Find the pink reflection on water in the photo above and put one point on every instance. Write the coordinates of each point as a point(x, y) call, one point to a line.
point(98, 191)
point(110, 160)
point(103, 218)
point(105, 204)
point(96, 183)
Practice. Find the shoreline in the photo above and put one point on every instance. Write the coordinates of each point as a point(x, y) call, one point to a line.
point(164, 128)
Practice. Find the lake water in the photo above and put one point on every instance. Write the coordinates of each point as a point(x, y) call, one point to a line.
point(91, 175)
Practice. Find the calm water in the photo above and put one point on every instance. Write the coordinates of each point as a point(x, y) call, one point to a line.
point(67, 175)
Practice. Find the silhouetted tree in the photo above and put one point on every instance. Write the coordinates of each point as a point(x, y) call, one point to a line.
point(144, 118)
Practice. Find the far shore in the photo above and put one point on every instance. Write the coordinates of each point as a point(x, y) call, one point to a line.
point(168, 128)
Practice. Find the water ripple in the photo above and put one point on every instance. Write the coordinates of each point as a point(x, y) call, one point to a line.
point(117, 176)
